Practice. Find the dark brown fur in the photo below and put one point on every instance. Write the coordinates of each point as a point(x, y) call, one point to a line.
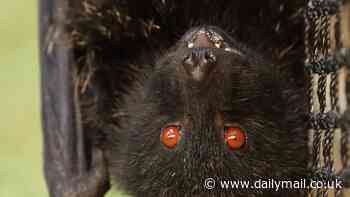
point(247, 91)
point(131, 86)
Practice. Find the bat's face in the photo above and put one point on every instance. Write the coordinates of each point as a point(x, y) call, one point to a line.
point(211, 109)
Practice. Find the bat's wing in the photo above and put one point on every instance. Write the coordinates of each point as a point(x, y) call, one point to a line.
point(68, 172)
point(89, 52)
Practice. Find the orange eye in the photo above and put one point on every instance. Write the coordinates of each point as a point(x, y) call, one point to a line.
point(170, 136)
point(235, 138)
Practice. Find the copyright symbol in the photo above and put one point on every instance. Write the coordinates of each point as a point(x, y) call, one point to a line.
point(209, 183)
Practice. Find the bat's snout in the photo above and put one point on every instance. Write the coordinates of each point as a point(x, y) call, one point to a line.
point(199, 63)
point(209, 37)
point(204, 37)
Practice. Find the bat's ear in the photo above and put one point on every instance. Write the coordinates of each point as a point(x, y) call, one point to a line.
point(99, 164)
point(94, 183)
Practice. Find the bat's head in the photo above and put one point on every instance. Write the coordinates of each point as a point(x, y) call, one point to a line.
point(211, 109)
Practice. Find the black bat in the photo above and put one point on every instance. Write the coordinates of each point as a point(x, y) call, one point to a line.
point(209, 108)
point(161, 95)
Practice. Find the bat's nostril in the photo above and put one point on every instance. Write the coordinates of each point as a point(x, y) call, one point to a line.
point(198, 64)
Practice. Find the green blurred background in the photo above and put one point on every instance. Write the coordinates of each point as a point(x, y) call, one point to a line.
point(20, 134)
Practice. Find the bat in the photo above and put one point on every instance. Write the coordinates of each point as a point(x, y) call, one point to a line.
point(209, 108)
point(158, 96)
